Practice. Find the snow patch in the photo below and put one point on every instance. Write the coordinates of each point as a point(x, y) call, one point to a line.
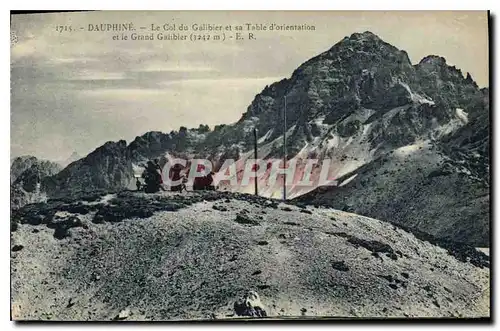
point(462, 115)
point(104, 200)
point(348, 180)
point(249, 124)
point(415, 97)
point(386, 118)
point(333, 142)
point(448, 128)
point(366, 129)
point(137, 169)
point(265, 137)
point(410, 149)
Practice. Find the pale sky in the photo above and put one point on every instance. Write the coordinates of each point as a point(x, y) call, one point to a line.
point(75, 91)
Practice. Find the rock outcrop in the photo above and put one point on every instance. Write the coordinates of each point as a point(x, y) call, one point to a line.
point(108, 167)
point(27, 174)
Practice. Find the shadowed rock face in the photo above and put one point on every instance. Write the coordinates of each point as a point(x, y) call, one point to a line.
point(19, 165)
point(41, 167)
point(27, 173)
point(189, 260)
point(108, 167)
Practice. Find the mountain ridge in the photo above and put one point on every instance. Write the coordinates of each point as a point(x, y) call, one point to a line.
point(354, 103)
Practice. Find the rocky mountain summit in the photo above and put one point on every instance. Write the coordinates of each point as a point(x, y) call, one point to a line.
point(435, 177)
point(214, 255)
point(19, 165)
point(22, 163)
point(409, 143)
point(107, 167)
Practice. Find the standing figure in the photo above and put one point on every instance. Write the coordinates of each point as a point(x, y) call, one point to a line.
point(160, 171)
point(152, 178)
point(138, 184)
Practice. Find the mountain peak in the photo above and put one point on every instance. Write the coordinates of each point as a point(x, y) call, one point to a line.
point(433, 59)
point(367, 35)
point(366, 42)
point(433, 63)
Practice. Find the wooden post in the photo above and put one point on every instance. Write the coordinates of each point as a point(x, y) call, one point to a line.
point(284, 151)
point(255, 157)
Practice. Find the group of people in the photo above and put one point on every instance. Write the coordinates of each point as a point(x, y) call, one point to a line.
point(153, 179)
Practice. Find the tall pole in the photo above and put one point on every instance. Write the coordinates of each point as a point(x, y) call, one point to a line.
point(284, 151)
point(255, 157)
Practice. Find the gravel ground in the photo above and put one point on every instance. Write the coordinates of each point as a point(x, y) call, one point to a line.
point(203, 252)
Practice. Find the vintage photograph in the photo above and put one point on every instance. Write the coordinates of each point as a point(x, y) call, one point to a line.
point(249, 165)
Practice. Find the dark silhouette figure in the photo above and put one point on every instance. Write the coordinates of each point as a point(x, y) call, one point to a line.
point(152, 177)
point(160, 170)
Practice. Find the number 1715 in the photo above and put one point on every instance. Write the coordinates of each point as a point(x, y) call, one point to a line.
point(63, 28)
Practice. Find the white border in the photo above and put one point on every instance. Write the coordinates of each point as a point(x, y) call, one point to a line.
point(260, 5)
point(196, 5)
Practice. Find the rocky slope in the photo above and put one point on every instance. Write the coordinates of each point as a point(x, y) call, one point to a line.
point(439, 185)
point(358, 104)
point(130, 256)
point(410, 187)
